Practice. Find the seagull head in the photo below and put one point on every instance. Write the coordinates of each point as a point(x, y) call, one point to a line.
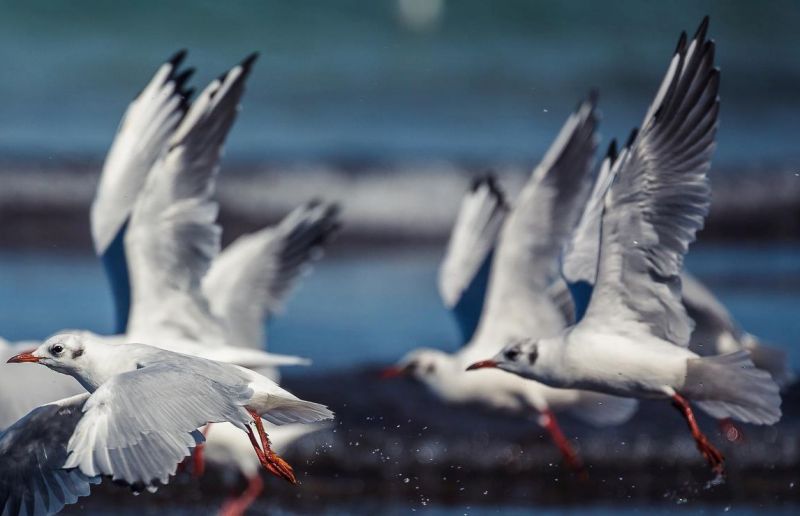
point(63, 352)
point(518, 356)
point(422, 364)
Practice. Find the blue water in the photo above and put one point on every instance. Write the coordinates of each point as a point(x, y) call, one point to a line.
point(484, 80)
point(373, 306)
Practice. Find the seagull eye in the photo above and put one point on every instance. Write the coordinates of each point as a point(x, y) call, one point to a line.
point(57, 349)
point(512, 354)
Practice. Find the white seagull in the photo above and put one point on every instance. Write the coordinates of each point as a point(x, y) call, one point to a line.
point(633, 339)
point(138, 421)
point(523, 288)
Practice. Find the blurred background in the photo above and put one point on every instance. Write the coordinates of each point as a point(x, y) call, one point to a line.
point(390, 107)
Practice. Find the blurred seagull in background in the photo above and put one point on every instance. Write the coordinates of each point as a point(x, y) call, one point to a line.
point(138, 421)
point(523, 291)
point(633, 340)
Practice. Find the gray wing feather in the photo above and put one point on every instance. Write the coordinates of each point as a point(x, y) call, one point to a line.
point(579, 261)
point(140, 425)
point(32, 455)
point(173, 235)
point(660, 199)
point(480, 218)
point(250, 279)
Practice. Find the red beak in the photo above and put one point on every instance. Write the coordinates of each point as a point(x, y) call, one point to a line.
point(482, 364)
point(391, 372)
point(23, 357)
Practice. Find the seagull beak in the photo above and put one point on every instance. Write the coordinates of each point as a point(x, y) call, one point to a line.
point(24, 357)
point(392, 372)
point(482, 364)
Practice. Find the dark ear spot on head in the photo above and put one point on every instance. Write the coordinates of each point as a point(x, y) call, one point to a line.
point(78, 352)
point(533, 355)
point(430, 369)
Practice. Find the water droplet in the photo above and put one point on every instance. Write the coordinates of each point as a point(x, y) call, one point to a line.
point(406, 480)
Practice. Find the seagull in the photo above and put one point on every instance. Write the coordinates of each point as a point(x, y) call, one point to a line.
point(523, 288)
point(712, 322)
point(137, 422)
point(633, 339)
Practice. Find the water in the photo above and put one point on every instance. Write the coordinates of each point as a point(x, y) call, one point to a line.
point(372, 306)
point(356, 80)
point(364, 307)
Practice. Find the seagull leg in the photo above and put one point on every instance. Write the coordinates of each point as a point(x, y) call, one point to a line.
point(713, 456)
point(269, 459)
point(237, 506)
point(198, 460)
point(731, 430)
point(547, 420)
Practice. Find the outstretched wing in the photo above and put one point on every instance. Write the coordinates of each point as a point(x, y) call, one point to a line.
point(33, 451)
point(535, 232)
point(464, 272)
point(173, 235)
point(138, 426)
point(141, 139)
point(250, 279)
point(579, 260)
point(659, 200)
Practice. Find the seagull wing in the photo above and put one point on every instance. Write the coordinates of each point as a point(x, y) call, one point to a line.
point(659, 200)
point(32, 455)
point(138, 426)
point(711, 319)
point(535, 232)
point(173, 235)
point(250, 279)
point(141, 139)
point(579, 260)
point(464, 272)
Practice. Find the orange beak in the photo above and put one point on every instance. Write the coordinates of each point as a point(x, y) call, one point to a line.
point(391, 372)
point(24, 357)
point(482, 364)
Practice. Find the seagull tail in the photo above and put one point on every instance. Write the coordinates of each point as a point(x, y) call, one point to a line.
point(730, 386)
point(297, 411)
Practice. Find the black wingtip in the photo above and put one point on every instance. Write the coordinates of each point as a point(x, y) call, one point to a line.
point(591, 99)
point(681, 46)
point(177, 58)
point(248, 61)
point(632, 136)
point(489, 179)
point(611, 153)
point(593, 96)
point(702, 30)
point(181, 78)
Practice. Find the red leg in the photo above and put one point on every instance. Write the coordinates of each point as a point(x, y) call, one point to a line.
point(269, 459)
point(198, 460)
point(731, 430)
point(711, 454)
point(238, 506)
point(548, 421)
